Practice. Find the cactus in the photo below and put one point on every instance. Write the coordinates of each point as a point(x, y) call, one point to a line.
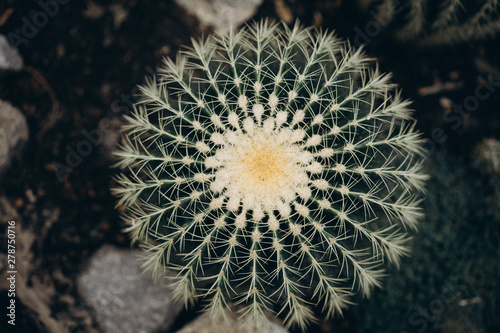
point(271, 168)
point(439, 22)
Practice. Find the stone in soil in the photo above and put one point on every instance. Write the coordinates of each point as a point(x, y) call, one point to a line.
point(123, 297)
point(204, 324)
point(221, 14)
point(13, 134)
point(10, 60)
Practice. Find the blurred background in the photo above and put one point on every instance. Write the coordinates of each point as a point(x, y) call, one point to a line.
point(69, 71)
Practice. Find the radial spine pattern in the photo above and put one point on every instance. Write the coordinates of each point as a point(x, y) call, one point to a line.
point(271, 168)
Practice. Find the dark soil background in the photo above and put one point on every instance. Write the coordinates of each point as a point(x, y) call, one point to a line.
point(81, 70)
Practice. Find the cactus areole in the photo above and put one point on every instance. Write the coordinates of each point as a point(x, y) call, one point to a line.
point(271, 168)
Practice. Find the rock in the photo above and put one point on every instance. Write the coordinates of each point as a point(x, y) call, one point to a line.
point(221, 14)
point(10, 60)
point(124, 298)
point(13, 134)
point(204, 324)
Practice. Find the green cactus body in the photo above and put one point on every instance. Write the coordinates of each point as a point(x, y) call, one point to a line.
point(271, 168)
point(431, 22)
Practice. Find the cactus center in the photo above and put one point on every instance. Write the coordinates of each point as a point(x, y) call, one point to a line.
point(260, 170)
point(264, 166)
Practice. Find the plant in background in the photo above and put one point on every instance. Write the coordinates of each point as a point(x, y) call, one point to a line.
point(439, 22)
point(273, 169)
point(487, 155)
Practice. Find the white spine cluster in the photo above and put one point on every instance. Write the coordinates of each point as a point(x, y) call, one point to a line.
point(271, 168)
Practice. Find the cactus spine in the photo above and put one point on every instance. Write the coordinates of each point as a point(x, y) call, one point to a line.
point(271, 168)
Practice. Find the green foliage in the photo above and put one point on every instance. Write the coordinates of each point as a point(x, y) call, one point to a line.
point(274, 169)
point(439, 22)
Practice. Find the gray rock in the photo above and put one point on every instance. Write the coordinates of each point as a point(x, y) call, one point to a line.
point(204, 324)
point(221, 14)
point(13, 134)
point(124, 298)
point(9, 57)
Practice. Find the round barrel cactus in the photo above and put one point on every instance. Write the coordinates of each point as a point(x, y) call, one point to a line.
point(272, 169)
